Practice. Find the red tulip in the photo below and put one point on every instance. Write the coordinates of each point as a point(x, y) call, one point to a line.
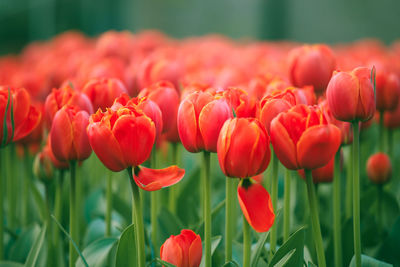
point(392, 118)
point(311, 65)
point(21, 117)
point(351, 95)
point(243, 104)
point(274, 104)
point(243, 148)
point(65, 96)
point(183, 250)
point(387, 91)
point(256, 205)
point(103, 91)
point(69, 140)
point(123, 136)
point(322, 174)
point(200, 119)
point(302, 138)
point(379, 168)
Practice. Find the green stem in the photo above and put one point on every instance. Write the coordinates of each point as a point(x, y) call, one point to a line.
point(25, 188)
point(381, 132)
point(154, 206)
point(229, 217)
point(337, 212)
point(72, 214)
point(51, 257)
point(390, 144)
point(246, 243)
point(356, 193)
point(312, 201)
point(379, 206)
point(286, 207)
point(2, 183)
point(207, 207)
point(349, 185)
point(172, 191)
point(109, 204)
point(78, 200)
point(137, 215)
point(11, 180)
point(58, 206)
point(274, 198)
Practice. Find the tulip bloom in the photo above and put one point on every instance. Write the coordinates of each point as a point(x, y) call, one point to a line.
point(103, 91)
point(65, 96)
point(17, 114)
point(243, 148)
point(387, 91)
point(392, 118)
point(256, 205)
point(303, 139)
point(274, 104)
point(200, 119)
point(183, 250)
point(322, 174)
point(379, 168)
point(243, 104)
point(123, 136)
point(351, 95)
point(69, 140)
point(311, 65)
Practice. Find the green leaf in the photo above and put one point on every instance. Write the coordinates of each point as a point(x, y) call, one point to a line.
point(169, 224)
point(166, 264)
point(70, 239)
point(10, 264)
point(283, 261)
point(215, 240)
point(214, 211)
point(126, 249)
point(97, 254)
point(367, 261)
point(255, 256)
point(389, 251)
point(38, 199)
point(34, 252)
point(296, 242)
point(231, 264)
point(20, 249)
point(310, 264)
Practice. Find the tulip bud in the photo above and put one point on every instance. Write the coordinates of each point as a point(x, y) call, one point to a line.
point(351, 95)
point(183, 250)
point(42, 167)
point(379, 168)
point(387, 92)
point(243, 148)
point(311, 65)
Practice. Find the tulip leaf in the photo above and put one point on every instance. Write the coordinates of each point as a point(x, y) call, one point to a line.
point(70, 239)
point(388, 251)
point(38, 198)
point(284, 260)
point(98, 253)
point(126, 249)
point(10, 264)
point(20, 249)
point(164, 263)
point(231, 264)
point(258, 249)
point(295, 243)
point(367, 261)
point(214, 211)
point(34, 252)
point(310, 264)
point(169, 224)
point(215, 240)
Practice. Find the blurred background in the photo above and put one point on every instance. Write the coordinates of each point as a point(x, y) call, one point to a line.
point(22, 21)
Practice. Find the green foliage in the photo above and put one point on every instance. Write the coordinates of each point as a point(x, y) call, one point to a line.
point(126, 249)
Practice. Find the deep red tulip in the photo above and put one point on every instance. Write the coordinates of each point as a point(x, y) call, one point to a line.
point(183, 250)
point(65, 96)
point(379, 168)
point(123, 136)
point(25, 117)
point(387, 91)
point(243, 148)
point(200, 119)
point(103, 91)
point(303, 139)
point(69, 140)
point(351, 96)
point(273, 104)
point(256, 205)
point(311, 65)
point(34, 138)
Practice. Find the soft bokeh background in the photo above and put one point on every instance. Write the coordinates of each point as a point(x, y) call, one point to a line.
point(22, 21)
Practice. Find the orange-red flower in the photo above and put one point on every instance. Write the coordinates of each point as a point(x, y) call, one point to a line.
point(16, 113)
point(303, 139)
point(322, 174)
point(200, 119)
point(69, 140)
point(311, 65)
point(387, 91)
point(243, 148)
point(256, 205)
point(379, 168)
point(351, 95)
point(65, 96)
point(183, 250)
point(103, 91)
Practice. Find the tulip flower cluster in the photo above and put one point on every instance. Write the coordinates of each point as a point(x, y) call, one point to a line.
point(263, 115)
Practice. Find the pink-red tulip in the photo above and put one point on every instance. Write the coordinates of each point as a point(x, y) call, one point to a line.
point(379, 168)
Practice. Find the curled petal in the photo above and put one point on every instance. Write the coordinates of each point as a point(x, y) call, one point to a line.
point(30, 123)
point(256, 206)
point(152, 180)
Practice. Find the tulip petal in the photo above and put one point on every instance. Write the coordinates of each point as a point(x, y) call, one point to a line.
point(171, 252)
point(61, 135)
point(256, 206)
point(318, 145)
point(30, 123)
point(187, 127)
point(80, 137)
point(152, 180)
point(195, 252)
